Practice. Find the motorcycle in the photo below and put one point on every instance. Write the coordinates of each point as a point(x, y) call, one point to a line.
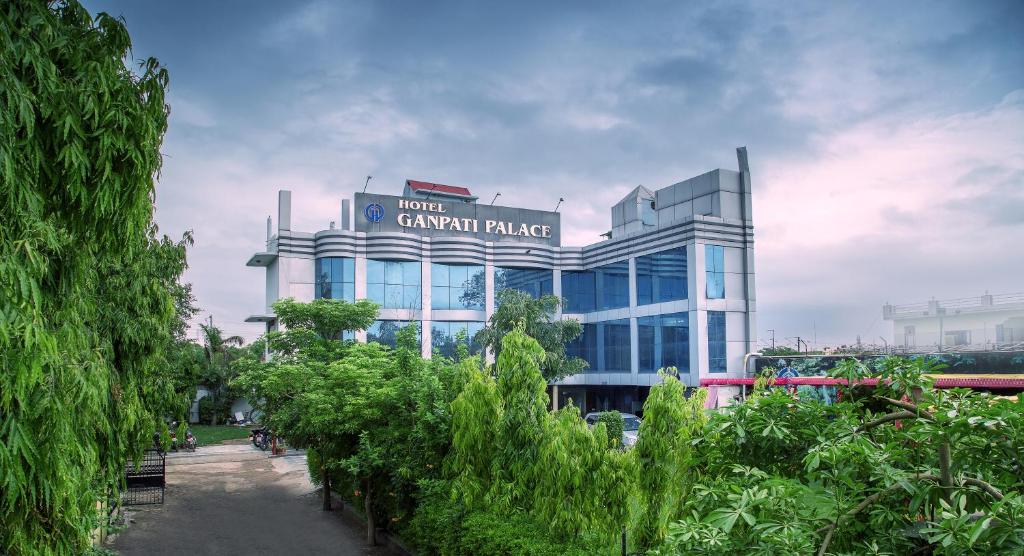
point(190, 441)
point(260, 438)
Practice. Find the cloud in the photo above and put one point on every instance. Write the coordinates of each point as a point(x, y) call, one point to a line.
point(885, 139)
point(895, 210)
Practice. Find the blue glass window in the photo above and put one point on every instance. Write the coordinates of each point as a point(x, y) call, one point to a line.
point(612, 283)
point(443, 336)
point(661, 276)
point(457, 286)
point(578, 291)
point(393, 284)
point(664, 341)
point(716, 341)
point(335, 279)
point(604, 346)
point(385, 331)
point(534, 282)
point(714, 261)
point(605, 287)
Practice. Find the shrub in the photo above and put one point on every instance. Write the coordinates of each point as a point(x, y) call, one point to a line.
point(613, 425)
point(492, 534)
point(436, 522)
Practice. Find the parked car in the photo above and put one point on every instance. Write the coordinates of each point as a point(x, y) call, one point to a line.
point(630, 426)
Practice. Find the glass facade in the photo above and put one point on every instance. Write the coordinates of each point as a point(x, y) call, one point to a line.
point(714, 262)
point(661, 276)
point(393, 284)
point(578, 291)
point(532, 281)
point(444, 333)
point(604, 346)
point(605, 287)
point(385, 332)
point(335, 279)
point(664, 341)
point(457, 286)
point(716, 341)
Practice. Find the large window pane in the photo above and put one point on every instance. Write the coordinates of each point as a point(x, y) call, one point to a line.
point(393, 274)
point(616, 346)
point(714, 262)
point(444, 335)
point(664, 341)
point(661, 276)
point(604, 346)
point(334, 278)
point(579, 291)
point(536, 283)
point(385, 332)
point(612, 284)
point(393, 284)
point(585, 347)
point(716, 342)
point(457, 286)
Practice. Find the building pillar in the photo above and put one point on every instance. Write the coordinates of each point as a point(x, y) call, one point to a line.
point(425, 330)
point(697, 316)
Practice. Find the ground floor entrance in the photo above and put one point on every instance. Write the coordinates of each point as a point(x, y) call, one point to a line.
point(624, 399)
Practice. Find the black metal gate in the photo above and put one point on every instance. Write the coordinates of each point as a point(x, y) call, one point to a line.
point(145, 484)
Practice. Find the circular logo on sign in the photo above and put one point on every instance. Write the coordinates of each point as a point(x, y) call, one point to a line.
point(374, 212)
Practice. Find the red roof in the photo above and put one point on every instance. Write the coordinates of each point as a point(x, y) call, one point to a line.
point(439, 187)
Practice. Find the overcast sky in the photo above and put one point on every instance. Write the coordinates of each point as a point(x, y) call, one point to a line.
point(886, 139)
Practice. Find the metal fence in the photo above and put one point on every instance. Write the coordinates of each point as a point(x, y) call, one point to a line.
point(991, 362)
point(145, 483)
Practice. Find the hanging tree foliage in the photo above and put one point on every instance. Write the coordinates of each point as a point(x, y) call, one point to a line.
point(89, 299)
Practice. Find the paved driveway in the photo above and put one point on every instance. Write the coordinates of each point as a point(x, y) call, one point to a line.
point(233, 499)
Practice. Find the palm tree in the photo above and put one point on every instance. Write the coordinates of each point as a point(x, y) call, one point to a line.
point(215, 347)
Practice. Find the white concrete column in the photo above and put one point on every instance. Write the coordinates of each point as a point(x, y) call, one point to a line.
point(425, 332)
point(696, 289)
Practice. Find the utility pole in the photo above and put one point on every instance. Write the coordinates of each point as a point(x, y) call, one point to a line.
point(772, 330)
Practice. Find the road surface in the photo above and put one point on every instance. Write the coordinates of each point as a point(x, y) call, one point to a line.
point(233, 499)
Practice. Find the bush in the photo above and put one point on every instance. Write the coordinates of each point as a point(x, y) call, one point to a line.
point(435, 524)
point(492, 534)
point(441, 526)
point(165, 436)
point(613, 424)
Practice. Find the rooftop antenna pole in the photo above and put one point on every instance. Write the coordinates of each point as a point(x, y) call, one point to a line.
point(560, 200)
point(496, 195)
point(365, 185)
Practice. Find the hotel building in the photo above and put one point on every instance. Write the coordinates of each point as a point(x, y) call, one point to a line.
point(671, 286)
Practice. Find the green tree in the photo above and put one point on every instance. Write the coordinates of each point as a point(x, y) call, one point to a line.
point(614, 425)
point(663, 456)
point(536, 317)
point(218, 372)
point(311, 390)
point(87, 307)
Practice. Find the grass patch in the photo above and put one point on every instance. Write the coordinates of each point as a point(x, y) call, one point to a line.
point(207, 435)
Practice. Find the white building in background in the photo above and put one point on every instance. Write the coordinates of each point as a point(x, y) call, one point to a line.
point(972, 323)
point(671, 286)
